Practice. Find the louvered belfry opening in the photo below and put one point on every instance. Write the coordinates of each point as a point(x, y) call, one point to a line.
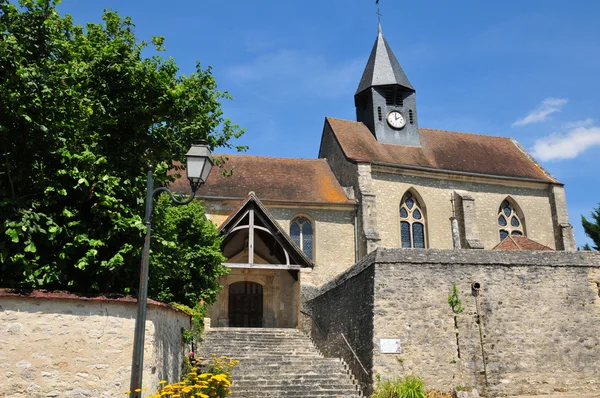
point(393, 97)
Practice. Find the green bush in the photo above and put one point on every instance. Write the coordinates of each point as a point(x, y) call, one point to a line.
point(412, 387)
point(409, 387)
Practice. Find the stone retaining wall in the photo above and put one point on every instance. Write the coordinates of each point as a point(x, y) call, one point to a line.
point(539, 314)
point(62, 345)
point(340, 320)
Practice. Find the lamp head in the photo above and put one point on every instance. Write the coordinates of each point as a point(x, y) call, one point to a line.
point(199, 163)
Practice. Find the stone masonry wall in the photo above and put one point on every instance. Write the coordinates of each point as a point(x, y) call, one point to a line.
point(539, 314)
point(333, 237)
point(72, 347)
point(340, 311)
point(532, 198)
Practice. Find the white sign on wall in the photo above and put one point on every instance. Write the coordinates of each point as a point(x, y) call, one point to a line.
point(390, 346)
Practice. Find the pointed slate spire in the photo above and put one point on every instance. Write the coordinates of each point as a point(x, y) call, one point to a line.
point(382, 68)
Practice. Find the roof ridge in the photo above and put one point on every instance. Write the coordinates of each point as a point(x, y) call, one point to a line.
point(266, 156)
point(466, 133)
point(432, 129)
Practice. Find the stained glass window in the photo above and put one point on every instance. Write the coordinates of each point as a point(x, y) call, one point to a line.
point(418, 236)
point(507, 212)
point(295, 233)
point(412, 223)
point(301, 232)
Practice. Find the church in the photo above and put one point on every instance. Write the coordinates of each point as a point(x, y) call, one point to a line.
point(380, 181)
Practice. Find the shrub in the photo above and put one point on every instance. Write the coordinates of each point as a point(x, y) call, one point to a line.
point(412, 387)
point(409, 387)
point(387, 389)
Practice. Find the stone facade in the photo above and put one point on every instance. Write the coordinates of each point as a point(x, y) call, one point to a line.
point(280, 302)
point(479, 201)
point(57, 347)
point(531, 327)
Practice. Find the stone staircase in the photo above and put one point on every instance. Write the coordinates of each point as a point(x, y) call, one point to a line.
point(278, 363)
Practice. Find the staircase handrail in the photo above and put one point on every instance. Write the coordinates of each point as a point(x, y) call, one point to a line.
point(354, 353)
point(344, 337)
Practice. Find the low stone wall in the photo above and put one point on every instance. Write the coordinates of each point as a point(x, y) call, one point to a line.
point(532, 327)
point(339, 318)
point(63, 345)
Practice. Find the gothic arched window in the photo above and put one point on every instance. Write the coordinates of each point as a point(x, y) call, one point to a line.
point(301, 231)
point(412, 222)
point(509, 221)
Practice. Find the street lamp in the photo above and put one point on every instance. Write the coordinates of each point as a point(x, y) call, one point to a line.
point(199, 164)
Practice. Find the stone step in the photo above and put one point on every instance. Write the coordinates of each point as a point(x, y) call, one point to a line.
point(282, 394)
point(278, 363)
point(290, 377)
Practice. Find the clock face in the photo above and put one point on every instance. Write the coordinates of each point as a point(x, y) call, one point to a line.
point(396, 120)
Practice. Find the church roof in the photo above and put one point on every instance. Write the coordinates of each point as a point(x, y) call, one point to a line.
point(382, 67)
point(442, 151)
point(272, 179)
point(518, 243)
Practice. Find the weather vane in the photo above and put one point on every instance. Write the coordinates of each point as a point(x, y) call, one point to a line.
point(378, 11)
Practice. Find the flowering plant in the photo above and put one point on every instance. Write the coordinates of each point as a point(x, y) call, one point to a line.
point(213, 382)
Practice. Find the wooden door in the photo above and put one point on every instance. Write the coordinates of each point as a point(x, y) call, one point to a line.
point(245, 304)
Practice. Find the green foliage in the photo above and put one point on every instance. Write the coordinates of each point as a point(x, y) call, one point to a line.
point(387, 389)
point(412, 387)
point(454, 300)
point(82, 113)
point(592, 228)
point(186, 256)
point(409, 387)
point(198, 313)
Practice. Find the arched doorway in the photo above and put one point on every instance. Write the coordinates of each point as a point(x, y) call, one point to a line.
point(245, 304)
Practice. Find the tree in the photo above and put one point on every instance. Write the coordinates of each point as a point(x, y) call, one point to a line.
point(82, 114)
point(592, 228)
point(186, 254)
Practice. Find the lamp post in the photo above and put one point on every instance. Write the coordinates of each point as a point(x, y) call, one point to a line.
point(199, 164)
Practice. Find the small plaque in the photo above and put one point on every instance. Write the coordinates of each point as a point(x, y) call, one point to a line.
point(389, 346)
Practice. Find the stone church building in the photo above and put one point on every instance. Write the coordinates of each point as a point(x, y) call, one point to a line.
point(378, 181)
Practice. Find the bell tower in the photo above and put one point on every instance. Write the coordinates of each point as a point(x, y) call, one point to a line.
point(385, 100)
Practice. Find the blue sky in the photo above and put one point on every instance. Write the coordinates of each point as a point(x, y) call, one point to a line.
point(524, 69)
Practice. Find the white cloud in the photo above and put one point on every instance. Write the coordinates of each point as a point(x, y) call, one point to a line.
point(541, 113)
point(580, 123)
point(295, 72)
point(582, 136)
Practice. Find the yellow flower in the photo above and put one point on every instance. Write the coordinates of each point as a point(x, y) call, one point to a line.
point(162, 382)
point(138, 390)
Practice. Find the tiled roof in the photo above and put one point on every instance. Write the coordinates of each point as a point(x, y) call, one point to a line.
point(513, 243)
point(441, 150)
point(275, 179)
